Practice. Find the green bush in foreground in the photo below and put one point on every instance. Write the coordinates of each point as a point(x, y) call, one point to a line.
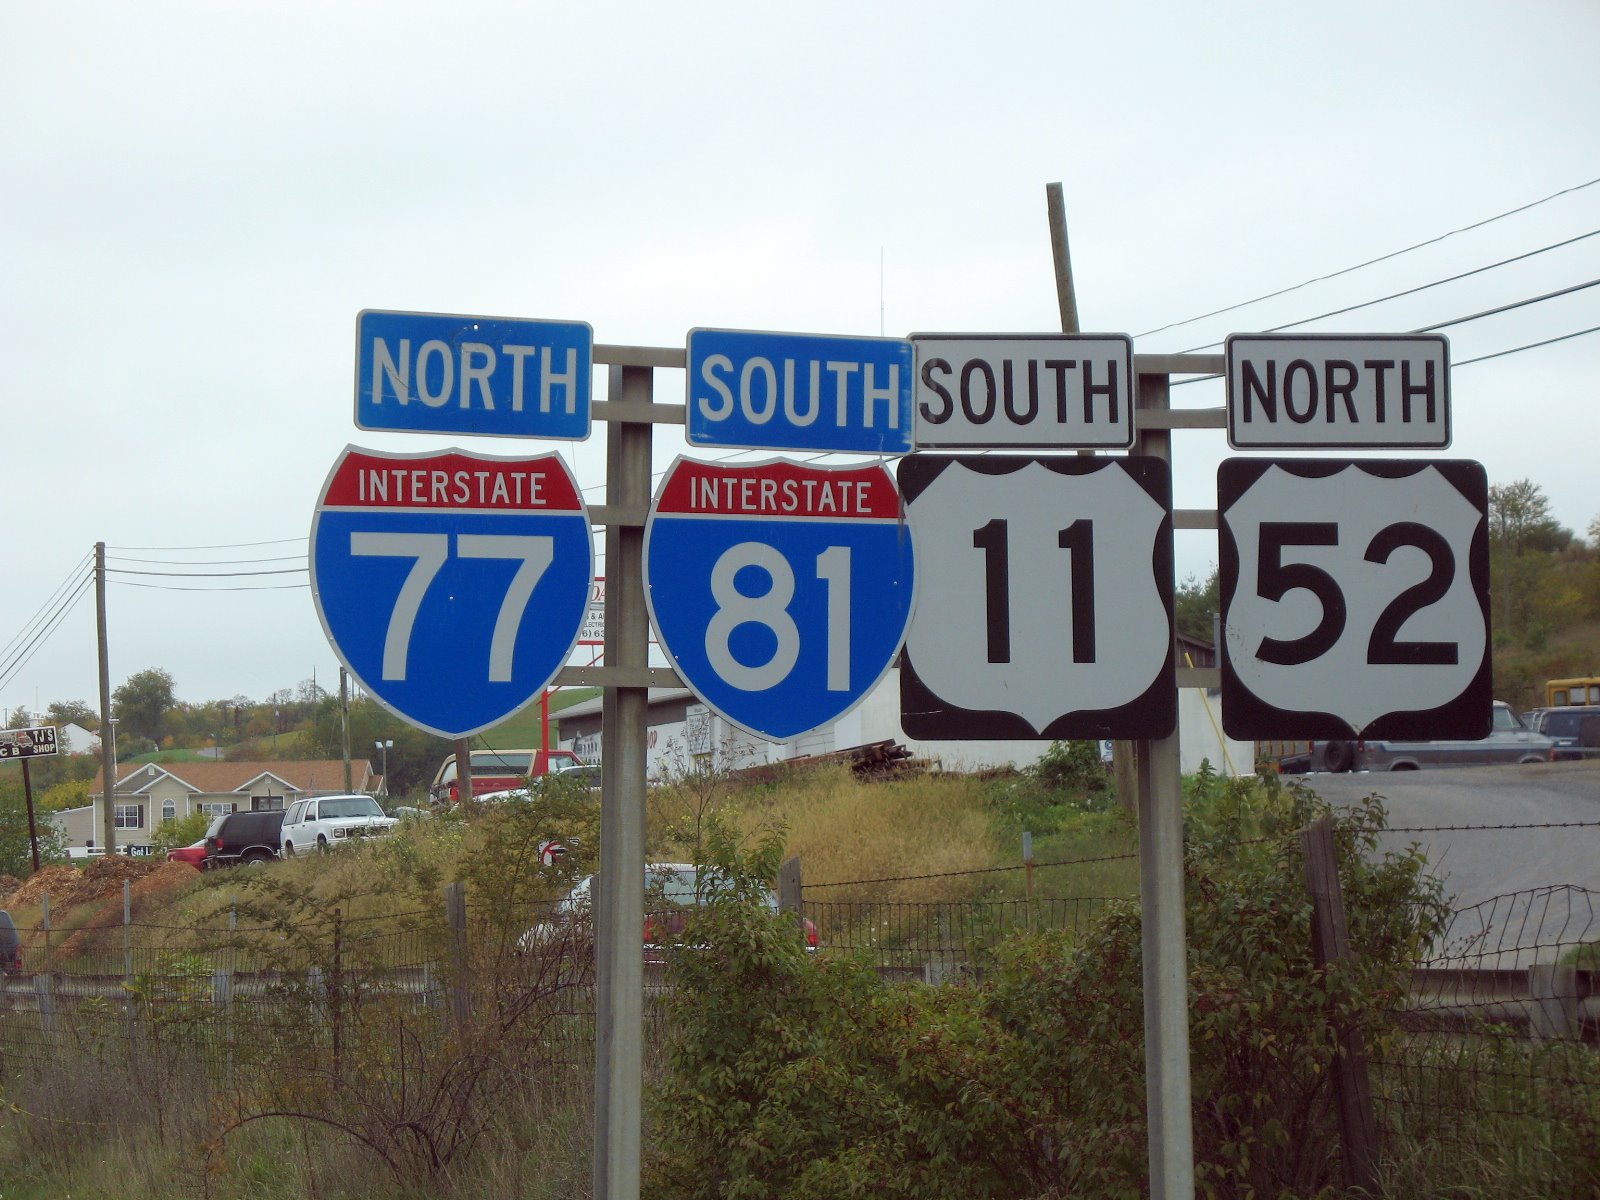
point(801, 1076)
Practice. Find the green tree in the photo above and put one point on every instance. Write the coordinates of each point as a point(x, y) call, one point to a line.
point(142, 703)
point(16, 853)
point(1195, 603)
point(184, 831)
point(72, 712)
point(1524, 540)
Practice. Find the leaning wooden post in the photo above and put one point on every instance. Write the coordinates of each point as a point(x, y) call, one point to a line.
point(791, 890)
point(1330, 943)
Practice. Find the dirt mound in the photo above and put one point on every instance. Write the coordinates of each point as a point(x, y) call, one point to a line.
point(102, 878)
point(8, 884)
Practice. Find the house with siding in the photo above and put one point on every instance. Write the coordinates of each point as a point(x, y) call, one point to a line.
point(149, 794)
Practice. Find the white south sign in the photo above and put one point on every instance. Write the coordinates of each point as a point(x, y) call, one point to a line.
point(1044, 605)
point(1354, 598)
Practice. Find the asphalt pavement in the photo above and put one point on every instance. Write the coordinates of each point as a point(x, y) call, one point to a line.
point(1525, 880)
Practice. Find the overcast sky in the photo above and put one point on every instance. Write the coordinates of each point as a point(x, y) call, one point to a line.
point(198, 198)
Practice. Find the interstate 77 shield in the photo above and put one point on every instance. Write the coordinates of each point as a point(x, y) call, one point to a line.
point(1355, 598)
point(451, 585)
point(780, 591)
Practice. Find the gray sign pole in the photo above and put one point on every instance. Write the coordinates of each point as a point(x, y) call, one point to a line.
point(1156, 779)
point(1163, 932)
point(619, 953)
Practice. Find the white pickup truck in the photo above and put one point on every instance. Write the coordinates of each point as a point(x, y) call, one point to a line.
point(1509, 741)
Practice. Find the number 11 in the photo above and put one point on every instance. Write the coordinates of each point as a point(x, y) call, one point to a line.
point(1078, 540)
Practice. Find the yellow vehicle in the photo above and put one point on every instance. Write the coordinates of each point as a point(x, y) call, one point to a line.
point(1559, 693)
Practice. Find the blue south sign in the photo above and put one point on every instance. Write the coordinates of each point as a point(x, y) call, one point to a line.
point(451, 585)
point(490, 376)
point(793, 391)
point(780, 592)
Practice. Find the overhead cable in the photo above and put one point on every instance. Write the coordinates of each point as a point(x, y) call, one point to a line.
point(224, 546)
point(21, 658)
point(1350, 308)
point(1372, 261)
point(209, 574)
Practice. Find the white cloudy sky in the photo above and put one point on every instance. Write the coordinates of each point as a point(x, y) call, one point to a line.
point(197, 198)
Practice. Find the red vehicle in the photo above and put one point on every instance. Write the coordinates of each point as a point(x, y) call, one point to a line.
point(499, 771)
point(194, 855)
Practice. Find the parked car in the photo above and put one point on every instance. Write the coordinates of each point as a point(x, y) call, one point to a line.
point(498, 771)
point(10, 945)
point(194, 855)
point(324, 821)
point(671, 892)
point(1575, 730)
point(1509, 741)
point(248, 839)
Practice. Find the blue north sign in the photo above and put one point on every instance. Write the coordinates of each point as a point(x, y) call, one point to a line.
point(490, 376)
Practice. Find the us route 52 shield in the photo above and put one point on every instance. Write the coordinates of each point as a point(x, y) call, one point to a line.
point(451, 585)
point(780, 592)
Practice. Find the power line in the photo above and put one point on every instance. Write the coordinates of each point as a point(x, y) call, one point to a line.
point(1504, 308)
point(1372, 261)
point(209, 574)
point(1530, 346)
point(25, 654)
point(1350, 308)
point(225, 546)
point(73, 577)
point(218, 562)
point(171, 587)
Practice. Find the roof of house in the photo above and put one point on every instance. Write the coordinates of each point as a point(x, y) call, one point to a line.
point(220, 778)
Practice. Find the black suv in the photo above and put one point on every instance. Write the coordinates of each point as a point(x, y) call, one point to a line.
point(248, 839)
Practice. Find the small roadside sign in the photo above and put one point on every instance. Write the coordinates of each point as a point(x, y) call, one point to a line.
point(452, 585)
point(1355, 598)
point(779, 591)
point(1044, 604)
point(489, 376)
point(593, 632)
point(32, 742)
point(1302, 391)
point(1059, 391)
point(795, 391)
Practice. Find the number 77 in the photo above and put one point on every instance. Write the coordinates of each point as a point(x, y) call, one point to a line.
point(429, 552)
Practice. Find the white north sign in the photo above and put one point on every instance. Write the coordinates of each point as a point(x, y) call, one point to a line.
point(1304, 391)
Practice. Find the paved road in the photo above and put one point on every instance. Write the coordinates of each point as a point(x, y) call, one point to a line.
point(1520, 894)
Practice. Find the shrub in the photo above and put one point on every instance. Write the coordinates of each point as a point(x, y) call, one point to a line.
point(798, 1076)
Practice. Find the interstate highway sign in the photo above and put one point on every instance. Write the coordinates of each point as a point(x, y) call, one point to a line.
point(490, 376)
point(452, 585)
point(1044, 604)
point(795, 391)
point(1355, 598)
point(779, 591)
point(1305, 391)
point(1055, 390)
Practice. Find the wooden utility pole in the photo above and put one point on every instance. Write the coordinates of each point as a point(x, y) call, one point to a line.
point(108, 757)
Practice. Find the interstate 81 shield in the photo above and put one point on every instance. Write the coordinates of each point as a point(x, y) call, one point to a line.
point(451, 585)
point(781, 592)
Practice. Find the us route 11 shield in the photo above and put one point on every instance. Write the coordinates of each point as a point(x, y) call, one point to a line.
point(1045, 598)
point(1355, 598)
point(452, 585)
point(780, 592)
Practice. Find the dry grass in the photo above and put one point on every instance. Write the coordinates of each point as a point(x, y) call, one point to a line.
point(845, 831)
